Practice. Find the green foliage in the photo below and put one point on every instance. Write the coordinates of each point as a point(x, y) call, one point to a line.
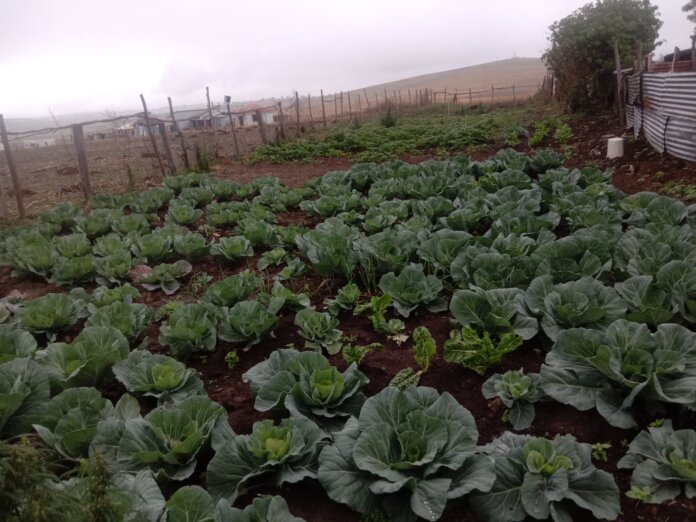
point(409, 452)
point(478, 353)
point(424, 347)
point(190, 328)
point(131, 319)
point(346, 299)
point(542, 478)
point(582, 44)
point(233, 289)
point(232, 248)
point(165, 276)
point(50, 314)
point(271, 454)
point(232, 359)
point(25, 391)
point(356, 353)
point(246, 322)
point(663, 462)
point(518, 392)
point(319, 330)
point(307, 385)
point(411, 288)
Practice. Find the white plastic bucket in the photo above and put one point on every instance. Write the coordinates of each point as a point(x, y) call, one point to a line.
point(615, 148)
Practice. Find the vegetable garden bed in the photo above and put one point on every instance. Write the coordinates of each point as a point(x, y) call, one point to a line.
point(243, 339)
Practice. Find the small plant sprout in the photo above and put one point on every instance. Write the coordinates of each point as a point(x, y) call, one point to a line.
point(599, 451)
point(232, 359)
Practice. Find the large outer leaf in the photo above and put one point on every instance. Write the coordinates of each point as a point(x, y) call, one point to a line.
point(190, 504)
point(24, 395)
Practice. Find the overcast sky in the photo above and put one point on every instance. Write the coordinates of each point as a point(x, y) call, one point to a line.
point(94, 55)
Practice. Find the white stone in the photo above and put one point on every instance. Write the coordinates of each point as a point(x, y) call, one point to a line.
point(615, 148)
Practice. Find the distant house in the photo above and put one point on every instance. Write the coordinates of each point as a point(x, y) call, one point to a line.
point(139, 126)
point(247, 116)
point(33, 143)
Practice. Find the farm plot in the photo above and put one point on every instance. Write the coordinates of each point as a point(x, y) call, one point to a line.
point(454, 340)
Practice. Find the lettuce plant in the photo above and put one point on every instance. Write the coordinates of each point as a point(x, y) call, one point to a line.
point(583, 303)
point(165, 276)
point(518, 392)
point(663, 461)
point(85, 361)
point(542, 478)
point(412, 288)
point(307, 385)
point(271, 455)
point(611, 370)
point(407, 453)
point(131, 319)
point(15, 343)
point(24, 395)
point(319, 330)
point(232, 248)
point(246, 322)
point(49, 314)
point(156, 375)
point(478, 353)
point(189, 329)
point(70, 421)
point(496, 312)
point(233, 289)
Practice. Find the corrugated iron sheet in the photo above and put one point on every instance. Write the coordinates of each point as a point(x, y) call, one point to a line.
point(663, 107)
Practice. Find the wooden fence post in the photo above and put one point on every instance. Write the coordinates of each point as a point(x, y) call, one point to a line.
point(409, 96)
point(309, 104)
point(513, 93)
point(386, 100)
point(359, 106)
point(399, 99)
point(471, 100)
point(184, 153)
point(79, 140)
point(376, 103)
point(350, 109)
point(146, 115)
point(367, 99)
point(341, 104)
point(675, 59)
point(210, 109)
point(280, 120)
point(12, 166)
point(297, 112)
point(167, 150)
point(234, 131)
point(492, 92)
point(336, 107)
point(262, 127)
point(693, 53)
point(323, 110)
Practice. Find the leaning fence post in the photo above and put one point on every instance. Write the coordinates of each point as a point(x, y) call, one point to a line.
point(297, 112)
point(309, 104)
point(13, 173)
point(262, 127)
point(79, 140)
point(167, 150)
point(280, 120)
point(146, 115)
point(350, 109)
point(184, 153)
point(234, 132)
point(367, 99)
point(323, 110)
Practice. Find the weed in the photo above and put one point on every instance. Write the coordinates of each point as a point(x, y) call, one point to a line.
point(563, 134)
point(232, 359)
point(599, 451)
point(541, 132)
point(202, 157)
point(388, 120)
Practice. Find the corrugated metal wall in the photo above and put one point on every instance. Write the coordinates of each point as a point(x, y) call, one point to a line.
point(663, 107)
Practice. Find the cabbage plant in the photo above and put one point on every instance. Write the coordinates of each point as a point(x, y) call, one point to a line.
point(412, 288)
point(518, 392)
point(329, 248)
point(165, 441)
point(246, 322)
point(24, 395)
point(270, 455)
point(113, 268)
point(156, 375)
point(85, 361)
point(232, 248)
point(96, 223)
point(182, 214)
point(319, 330)
point(15, 343)
point(69, 271)
point(49, 314)
point(131, 319)
point(663, 462)
point(407, 453)
point(541, 478)
point(307, 385)
point(131, 225)
point(191, 245)
point(583, 303)
point(73, 245)
point(231, 290)
point(152, 248)
point(70, 421)
point(165, 276)
point(105, 296)
point(497, 311)
point(190, 328)
point(614, 369)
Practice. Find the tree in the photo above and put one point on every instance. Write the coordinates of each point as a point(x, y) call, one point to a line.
point(582, 44)
point(690, 9)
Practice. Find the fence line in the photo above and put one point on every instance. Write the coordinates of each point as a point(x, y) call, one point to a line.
point(289, 114)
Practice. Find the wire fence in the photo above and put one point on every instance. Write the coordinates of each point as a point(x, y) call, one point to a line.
point(108, 154)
